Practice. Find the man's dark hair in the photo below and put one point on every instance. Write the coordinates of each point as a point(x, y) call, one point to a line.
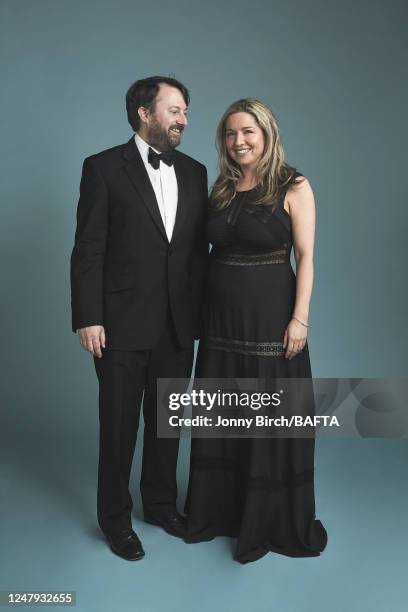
point(144, 92)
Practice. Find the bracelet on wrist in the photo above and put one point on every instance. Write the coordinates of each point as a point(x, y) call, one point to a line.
point(301, 322)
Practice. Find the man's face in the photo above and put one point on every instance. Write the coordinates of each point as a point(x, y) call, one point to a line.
point(167, 120)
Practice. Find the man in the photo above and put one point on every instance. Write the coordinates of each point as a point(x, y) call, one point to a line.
point(137, 273)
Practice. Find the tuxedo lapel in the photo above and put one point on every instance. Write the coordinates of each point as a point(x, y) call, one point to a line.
point(182, 201)
point(137, 173)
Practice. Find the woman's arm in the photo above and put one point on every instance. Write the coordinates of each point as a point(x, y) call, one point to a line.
point(300, 204)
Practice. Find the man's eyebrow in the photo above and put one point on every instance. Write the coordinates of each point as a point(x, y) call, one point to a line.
point(178, 107)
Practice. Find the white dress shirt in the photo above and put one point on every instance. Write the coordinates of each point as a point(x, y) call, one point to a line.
point(164, 183)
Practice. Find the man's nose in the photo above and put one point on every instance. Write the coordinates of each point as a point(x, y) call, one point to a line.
point(183, 120)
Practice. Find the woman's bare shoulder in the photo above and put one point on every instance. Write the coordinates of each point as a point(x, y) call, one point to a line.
point(301, 185)
point(299, 194)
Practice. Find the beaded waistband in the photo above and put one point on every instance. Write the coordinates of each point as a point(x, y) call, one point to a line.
point(245, 347)
point(258, 259)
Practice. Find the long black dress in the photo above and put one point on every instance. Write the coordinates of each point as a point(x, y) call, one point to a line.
point(258, 490)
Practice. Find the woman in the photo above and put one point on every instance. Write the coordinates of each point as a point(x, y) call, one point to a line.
point(255, 326)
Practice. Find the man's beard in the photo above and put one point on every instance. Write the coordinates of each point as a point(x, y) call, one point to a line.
point(162, 139)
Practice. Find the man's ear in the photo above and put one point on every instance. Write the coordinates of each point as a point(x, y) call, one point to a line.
point(143, 113)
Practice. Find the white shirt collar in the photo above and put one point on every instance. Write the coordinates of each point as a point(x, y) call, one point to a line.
point(143, 147)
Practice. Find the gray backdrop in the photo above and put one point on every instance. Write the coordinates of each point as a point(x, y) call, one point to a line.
point(333, 72)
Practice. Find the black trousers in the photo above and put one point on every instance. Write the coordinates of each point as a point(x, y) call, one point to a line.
point(124, 376)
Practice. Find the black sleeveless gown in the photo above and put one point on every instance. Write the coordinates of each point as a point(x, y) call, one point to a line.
point(259, 490)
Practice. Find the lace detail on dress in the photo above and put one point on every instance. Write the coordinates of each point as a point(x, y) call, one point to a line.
point(258, 259)
point(245, 347)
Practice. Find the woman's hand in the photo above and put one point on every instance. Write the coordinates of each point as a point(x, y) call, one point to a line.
point(294, 339)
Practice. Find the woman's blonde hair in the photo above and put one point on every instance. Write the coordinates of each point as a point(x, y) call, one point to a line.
point(273, 174)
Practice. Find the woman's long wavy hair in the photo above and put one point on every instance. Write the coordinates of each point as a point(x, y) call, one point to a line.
point(273, 174)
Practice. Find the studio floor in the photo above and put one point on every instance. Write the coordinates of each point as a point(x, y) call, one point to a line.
point(50, 540)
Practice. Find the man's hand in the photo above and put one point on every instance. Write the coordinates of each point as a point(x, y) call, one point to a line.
point(92, 338)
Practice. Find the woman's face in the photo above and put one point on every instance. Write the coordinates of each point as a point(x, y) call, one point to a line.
point(244, 140)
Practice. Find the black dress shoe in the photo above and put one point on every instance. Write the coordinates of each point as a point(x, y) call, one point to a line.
point(174, 523)
point(126, 544)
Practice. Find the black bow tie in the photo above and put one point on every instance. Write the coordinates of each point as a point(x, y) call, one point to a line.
point(154, 158)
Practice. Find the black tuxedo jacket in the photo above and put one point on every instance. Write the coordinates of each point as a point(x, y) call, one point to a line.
point(125, 274)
